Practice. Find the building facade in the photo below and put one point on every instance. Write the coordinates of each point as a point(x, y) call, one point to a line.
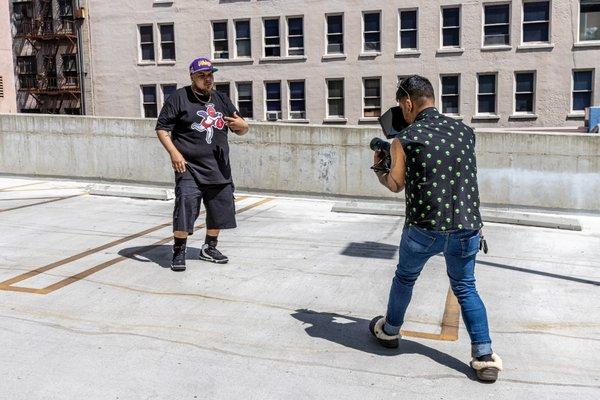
point(492, 64)
point(8, 99)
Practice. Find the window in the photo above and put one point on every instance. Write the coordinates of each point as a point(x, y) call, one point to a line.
point(220, 41)
point(167, 91)
point(1, 87)
point(582, 89)
point(536, 21)
point(451, 27)
point(23, 16)
point(486, 94)
point(589, 20)
point(451, 94)
point(69, 69)
point(372, 97)
point(167, 42)
point(244, 99)
point(335, 98)
point(273, 97)
point(335, 34)
point(149, 101)
point(65, 8)
point(272, 43)
point(524, 92)
point(295, 36)
point(371, 32)
point(242, 39)
point(496, 29)
point(223, 88)
point(27, 69)
point(146, 43)
point(408, 29)
point(297, 100)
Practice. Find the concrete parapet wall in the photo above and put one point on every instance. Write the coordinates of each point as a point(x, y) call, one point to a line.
point(515, 169)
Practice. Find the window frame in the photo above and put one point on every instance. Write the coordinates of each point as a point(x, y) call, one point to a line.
point(327, 15)
point(141, 60)
point(591, 42)
point(143, 103)
point(289, 100)
point(249, 38)
point(399, 47)
point(363, 32)
point(364, 97)
point(264, 37)
point(509, 23)
point(237, 98)
point(478, 113)
point(160, 46)
point(523, 23)
point(162, 92)
point(343, 98)
point(459, 27)
point(213, 40)
point(591, 91)
point(266, 101)
point(441, 99)
point(224, 83)
point(533, 93)
point(288, 36)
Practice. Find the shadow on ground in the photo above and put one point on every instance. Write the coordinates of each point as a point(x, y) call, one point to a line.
point(354, 333)
point(160, 255)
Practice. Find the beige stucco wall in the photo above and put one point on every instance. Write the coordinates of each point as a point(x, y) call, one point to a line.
point(118, 75)
point(8, 103)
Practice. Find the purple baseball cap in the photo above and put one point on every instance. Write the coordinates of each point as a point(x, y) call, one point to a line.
point(202, 64)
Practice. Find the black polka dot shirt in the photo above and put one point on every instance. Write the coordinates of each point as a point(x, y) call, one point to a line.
point(441, 173)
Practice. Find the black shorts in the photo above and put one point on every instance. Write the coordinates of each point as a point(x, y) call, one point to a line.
point(218, 202)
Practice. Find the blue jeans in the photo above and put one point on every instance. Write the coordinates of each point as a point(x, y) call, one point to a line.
point(460, 249)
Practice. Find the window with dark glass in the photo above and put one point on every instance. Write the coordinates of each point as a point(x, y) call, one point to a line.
point(371, 32)
point(146, 43)
point(273, 91)
point(295, 36)
point(65, 8)
point(582, 89)
point(408, 29)
point(451, 27)
point(69, 69)
point(223, 88)
point(27, 70)
point(486, 94)
point(536, 21)
point(167, 42)
point(23, 17)
point(335, 34)
point(220, 40)
point(242, 39)
point(244, 99)
point(297, 100)
point(451, 94)
point(272, 41)
point(496, 29)
point(149, 101)
point(335, 98)
point(589, 20)
point(167, 91)
point(372, 97)
point(524, 92)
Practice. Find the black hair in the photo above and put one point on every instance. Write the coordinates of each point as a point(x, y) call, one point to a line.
point(417, 87)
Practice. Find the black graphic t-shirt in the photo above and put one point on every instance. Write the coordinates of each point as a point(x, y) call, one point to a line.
point(199, 132)
point(441, 173)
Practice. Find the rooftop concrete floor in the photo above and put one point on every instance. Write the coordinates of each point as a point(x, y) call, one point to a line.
point(89, 308)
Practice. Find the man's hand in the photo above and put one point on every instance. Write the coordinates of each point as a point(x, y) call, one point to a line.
point(378, 156)
point(237, 124)
point(178, 161)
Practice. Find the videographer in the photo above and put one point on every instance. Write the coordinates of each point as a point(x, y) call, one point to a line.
point(433, 159)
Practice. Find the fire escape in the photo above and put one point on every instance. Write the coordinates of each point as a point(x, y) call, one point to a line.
point(49, 39)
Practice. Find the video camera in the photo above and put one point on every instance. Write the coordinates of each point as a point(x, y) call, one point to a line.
point(392, 122)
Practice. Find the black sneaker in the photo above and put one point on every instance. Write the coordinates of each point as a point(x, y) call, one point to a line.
point(210, 253)
point(376, 328)
point(178, 263)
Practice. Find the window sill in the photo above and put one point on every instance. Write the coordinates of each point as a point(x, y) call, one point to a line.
point(408, 53)
point(368, 119)
point(583, 45)
point(486, 117)
point(450, 50)
point(282, 59)
point(162, 3)
point(233, 61)
point(295, 121)
point(334, 56)
point(335, 120)
point(166, 62)
point(146, 63)
point(535, 46)
point(457, 117)
point(522, 116)
point(370, 54)
point(576, 115)
point(496, 48)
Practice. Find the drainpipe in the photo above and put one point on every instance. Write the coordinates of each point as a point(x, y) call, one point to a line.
point(80, 60)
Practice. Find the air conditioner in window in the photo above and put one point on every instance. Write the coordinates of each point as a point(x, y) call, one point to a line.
point(273, 115)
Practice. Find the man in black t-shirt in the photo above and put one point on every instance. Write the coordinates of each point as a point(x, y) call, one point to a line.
point(193, 126)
